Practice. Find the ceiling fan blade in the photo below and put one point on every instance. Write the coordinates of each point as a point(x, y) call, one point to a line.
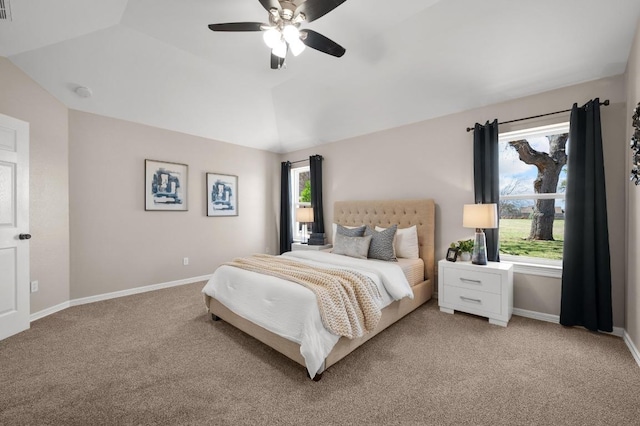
point(276, 62)
point(314, 9)
point(323, 44)
point(238, 26)
point(270, 4)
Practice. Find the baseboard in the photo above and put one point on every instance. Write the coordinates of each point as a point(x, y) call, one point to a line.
point(617, 331)
point(137, 290)
point(115, 294)
point(632, 348)
point(46, 312)
point(537, 315)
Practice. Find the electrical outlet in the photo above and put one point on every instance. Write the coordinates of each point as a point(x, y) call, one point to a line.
point(185, 261)
point(34, 286)
point(267, 250)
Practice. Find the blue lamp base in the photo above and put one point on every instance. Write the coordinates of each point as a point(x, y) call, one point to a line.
point(479, 255)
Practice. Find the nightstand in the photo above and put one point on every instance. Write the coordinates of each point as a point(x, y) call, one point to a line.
point(485, 290)
point(300, 246)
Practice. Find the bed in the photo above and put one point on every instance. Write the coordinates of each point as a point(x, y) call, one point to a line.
point(404, 213)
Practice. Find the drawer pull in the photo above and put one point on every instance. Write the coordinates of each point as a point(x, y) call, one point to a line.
point(467, 280)
point(468, 299)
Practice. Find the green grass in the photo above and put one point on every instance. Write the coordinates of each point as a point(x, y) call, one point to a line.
point(513, 239)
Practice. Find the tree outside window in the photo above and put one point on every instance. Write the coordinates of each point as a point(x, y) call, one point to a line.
point(305, 194)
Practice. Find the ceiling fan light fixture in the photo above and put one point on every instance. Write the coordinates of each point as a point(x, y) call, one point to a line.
point(291, 33)
point(299, 18)
point(282, 34)
point(297, 47)
point(280, 49)
point(272, 37)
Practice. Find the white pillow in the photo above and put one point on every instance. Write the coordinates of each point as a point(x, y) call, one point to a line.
point(406, 242)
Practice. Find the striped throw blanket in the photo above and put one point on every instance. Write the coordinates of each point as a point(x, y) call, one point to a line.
point(348, 300)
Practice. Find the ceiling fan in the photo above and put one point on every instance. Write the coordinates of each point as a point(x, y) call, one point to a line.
point(282, 33)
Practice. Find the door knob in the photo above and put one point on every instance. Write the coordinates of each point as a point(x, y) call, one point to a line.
point(24, 236)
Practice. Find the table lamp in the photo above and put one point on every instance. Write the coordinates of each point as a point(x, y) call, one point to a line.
point(480, 216)
point(304, 216)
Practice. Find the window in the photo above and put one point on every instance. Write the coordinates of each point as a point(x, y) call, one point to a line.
point(533, 180)
point(300, 196)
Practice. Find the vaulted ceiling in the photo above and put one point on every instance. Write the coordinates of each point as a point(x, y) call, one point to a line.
point(156, 62)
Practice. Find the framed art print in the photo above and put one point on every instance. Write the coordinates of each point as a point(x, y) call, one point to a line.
point(222, 195)
point(165, 186)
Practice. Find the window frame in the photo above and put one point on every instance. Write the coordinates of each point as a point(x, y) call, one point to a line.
point(298, 234)
point(525, 264)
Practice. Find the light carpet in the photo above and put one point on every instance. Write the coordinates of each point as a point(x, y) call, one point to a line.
point(157, 358)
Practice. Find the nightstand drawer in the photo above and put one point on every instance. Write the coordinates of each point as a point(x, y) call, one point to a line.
point(472, 299)
point(472, 280)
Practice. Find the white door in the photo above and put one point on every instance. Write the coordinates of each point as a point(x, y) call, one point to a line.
point(14, 226)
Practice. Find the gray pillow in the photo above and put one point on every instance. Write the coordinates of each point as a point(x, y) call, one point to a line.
point(381, 246)
point(351, 232)
point(351, 246)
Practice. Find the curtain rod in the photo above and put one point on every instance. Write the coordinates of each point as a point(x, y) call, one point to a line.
point(605, 103)
point(306, 159)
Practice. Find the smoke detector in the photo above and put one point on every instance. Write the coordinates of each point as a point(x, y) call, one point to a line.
point(83, 92)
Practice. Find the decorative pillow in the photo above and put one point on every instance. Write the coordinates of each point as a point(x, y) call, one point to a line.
point(406, 243)
point(351, 246)
point(350, 231)
point(381, 246)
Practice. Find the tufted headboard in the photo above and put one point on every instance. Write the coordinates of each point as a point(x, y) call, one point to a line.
point(405, 213)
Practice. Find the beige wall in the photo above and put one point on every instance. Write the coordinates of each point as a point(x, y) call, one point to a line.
point(22, 98)
point(117, 245)
point(433, 159)
point(112, 236)
point(633, 200)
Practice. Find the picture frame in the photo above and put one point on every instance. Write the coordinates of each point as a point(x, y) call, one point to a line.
point(452, 254)
point(222, 195)
point(166, 186)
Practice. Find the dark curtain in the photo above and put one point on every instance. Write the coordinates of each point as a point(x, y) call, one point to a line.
point(286, 234)
point(586, 269)
point(486, 177)
point(315, 171)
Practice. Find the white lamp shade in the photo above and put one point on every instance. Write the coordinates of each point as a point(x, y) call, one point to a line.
point(280, 50)
point(296, 46)
point(482, 216)
point(290, 33)
point(271, 37)
point(304, 215)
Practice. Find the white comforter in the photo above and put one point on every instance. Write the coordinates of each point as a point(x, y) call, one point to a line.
point(290, 310)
